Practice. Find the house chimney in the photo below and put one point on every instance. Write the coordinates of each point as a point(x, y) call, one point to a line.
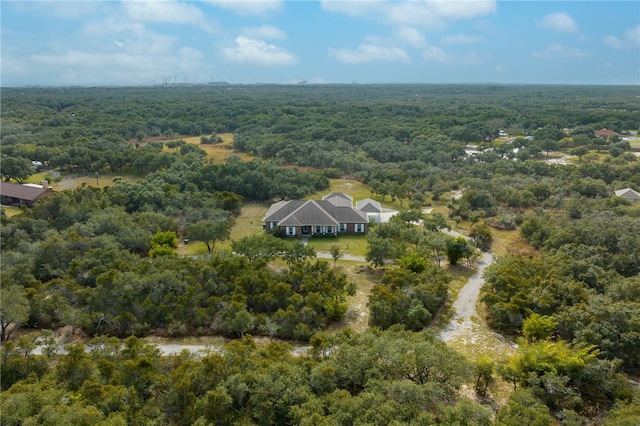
point(44, 183)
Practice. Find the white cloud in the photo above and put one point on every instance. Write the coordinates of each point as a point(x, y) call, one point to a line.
point(420, 12)
point(62, 9)
point(248, 7)
point(131, 37)
point(436, 54)
point(357, 8)
point(559, 51)
point(462, 9)
point(249, 50)
point(367, 52)
point(433, 53)
point(631, 39)
point(265, 31)
point(559, 22)
point(93, 67)
point(189, 59)
point(613, 42)
point(109, 26)
point(12, 65)
point(460, 39)
point(633, 35)
point(171, 12)
point(411, 36)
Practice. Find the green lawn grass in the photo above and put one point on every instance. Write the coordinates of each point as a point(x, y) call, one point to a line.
point(358, 191)
point(11, 210)
point(355, 245)
point(37, 178)
point(248, 223)
point(352, 187)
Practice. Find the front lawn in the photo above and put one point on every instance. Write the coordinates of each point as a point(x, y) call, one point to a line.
point(355, 245)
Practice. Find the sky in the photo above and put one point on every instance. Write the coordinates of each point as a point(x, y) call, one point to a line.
point(116, 43)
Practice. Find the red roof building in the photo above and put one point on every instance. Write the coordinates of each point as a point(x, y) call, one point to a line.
point(605, 133)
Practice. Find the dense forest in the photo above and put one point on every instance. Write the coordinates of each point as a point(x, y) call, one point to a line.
point(102, 260)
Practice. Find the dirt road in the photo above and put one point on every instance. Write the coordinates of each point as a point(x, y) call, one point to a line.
point(461, 325)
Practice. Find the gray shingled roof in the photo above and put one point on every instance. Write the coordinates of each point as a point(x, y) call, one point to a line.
point(282, 209)
point(339, 199)
point(368, 205)
point(321, 213)
point(344, 214)
point(628, 193)
point(310, 213)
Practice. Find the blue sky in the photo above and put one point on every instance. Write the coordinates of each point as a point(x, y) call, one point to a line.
point(327, 41)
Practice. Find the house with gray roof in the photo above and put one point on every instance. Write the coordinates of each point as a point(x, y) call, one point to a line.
point(371, 207)
point(628, 193)
point(339, 199)
point(332, 215)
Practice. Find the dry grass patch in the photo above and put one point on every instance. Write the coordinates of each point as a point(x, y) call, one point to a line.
point(509, 242)
point(102, 181)
point(219, 152)
point(357, 316)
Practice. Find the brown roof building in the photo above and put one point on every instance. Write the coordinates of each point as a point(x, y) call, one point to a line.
point(23, 195)
point(605, 133)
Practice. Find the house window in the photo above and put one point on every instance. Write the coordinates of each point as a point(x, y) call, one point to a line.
point(318, 229)
point(291, 230)
point(329, 229)
point(359, 227)
point(274, 224)
point(343, 227)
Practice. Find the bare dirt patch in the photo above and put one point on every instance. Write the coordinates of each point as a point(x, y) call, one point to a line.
point(357, 315)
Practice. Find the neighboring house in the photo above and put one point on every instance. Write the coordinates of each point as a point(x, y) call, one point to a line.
point(371, 207)
point(604, 133)
point(332, 215)
point(628, 193)
point(23, 195)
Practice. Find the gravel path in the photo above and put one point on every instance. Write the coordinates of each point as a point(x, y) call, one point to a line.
point(465, 305)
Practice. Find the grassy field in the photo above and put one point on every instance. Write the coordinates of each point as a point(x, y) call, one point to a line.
point(73, 181)
point(219, 152)
point(248, 223)
point(354, 188)
point(357, 190)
